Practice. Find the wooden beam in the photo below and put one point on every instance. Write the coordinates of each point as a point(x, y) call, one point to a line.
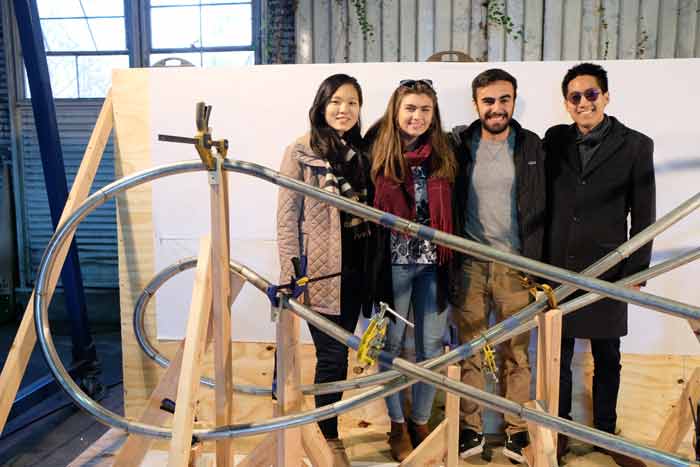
point(680, 419)
point(542, 451)
point(22, 346)
point(315, 446)
point(221, 310)
point(452, 414)
point(263, 454)
point(431, 451)
point(197, 323)
point(548, 361)
point(289, 397)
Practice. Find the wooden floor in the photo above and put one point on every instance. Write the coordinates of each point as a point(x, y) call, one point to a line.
point(366, 449)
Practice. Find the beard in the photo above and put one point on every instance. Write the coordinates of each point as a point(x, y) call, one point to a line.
point(495, 128)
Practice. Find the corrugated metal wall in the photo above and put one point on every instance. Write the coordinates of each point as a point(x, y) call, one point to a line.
point(412, 30)
point(97, 235)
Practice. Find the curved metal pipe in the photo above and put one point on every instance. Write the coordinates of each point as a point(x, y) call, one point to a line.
point(43, 332)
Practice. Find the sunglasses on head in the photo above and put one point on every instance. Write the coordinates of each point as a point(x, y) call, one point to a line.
point(412, 83)
point(590, 94)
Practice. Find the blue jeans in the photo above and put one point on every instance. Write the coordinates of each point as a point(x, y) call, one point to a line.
point(415, 285)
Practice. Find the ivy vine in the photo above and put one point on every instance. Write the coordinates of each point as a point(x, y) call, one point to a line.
point(604, 28)
point(496, 15)
point(361, 13)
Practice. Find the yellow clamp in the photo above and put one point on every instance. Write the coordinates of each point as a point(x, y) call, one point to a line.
point(490, 361)
point(535, 287)
point(302, 281)
point(372, 340)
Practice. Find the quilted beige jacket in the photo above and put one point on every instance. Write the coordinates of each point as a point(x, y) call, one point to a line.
point(309, 226)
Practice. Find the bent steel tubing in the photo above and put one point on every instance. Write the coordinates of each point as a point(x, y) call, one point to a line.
point(114, 420)
point(485, 399)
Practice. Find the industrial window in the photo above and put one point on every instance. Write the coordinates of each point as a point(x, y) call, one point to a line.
point(206, 33)
point(84, 40)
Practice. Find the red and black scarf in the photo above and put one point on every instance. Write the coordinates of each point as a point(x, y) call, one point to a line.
point(399, 198)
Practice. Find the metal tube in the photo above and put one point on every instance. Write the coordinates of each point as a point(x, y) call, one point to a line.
point(43, 332)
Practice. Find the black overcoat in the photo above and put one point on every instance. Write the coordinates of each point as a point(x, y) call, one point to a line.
point(587, 211)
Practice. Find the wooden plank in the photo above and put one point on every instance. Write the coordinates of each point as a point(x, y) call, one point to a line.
point(648, 29)
point(289, 398)
point(322, 31)
point(339, 31)
point(407, 30)
point(611, 30)
point(687, 24)
point(136, 447)
point(262, 455)
point(16, 363)
point(452, 414)
point(315, 446)
point(373, 44)
point(99, 453)
point(667, 29)
point(553, 320)
point(431, 451)
point(304, 31)
point(533, 29)
point(514, 40)
point(426, 29)
point(629, 29)
point(553, 31)
point(356, 41)
point(590, 28)
point(461, 24)
point(680, 418)
point(571, 34)
point(478, 47)
point(443, 26)
point(221, 314)
point(391, 34)
point(197, 323)
point(542, 451)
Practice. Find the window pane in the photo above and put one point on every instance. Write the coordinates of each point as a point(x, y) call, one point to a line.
point(64, 80)
point(72, 8)
point(96, 73)
point(195, 58)
point(66, 35)
point(59, 8)
point(227, 59)
point(104, 7)
point(226, 25)
point(109, 33)
point(175, 27)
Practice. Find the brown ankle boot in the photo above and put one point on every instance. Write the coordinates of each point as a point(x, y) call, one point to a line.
point(398, 442)
point(417, 432)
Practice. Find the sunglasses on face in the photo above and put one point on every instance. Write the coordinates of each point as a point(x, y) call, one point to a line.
point(412, 83)
point(590, 94)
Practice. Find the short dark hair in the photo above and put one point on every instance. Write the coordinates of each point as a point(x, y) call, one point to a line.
point(590, 69)
point(492, 75)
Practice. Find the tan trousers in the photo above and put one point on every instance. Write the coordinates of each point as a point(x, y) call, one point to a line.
point(479, 288)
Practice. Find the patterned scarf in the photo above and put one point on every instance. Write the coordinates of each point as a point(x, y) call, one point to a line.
point(334, 182)
point(399, 198)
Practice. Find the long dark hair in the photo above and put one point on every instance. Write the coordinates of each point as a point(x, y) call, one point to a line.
point(325, 141)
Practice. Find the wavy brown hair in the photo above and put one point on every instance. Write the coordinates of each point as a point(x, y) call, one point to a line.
point(387, 147)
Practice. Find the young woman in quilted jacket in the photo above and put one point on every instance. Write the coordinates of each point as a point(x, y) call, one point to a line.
point(334, 242)
point(413, 169)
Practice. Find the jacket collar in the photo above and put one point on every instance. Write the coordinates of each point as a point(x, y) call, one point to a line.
point(608, 147)
point(305, 155)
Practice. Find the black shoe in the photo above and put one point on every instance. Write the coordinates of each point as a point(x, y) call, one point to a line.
point(515, 444)
point(471, 443)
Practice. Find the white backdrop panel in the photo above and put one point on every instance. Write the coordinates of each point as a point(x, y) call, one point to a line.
point(262, 109)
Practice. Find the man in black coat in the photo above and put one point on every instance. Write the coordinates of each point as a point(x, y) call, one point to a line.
point(599, 172)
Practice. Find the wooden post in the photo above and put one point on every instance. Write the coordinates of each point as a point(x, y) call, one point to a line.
point(680, 419)
point(21, 350)
point(136, 447)
point(443, 442)
point(542, 450)
point(223, 371)
point(197, 323)
point(548, 361)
